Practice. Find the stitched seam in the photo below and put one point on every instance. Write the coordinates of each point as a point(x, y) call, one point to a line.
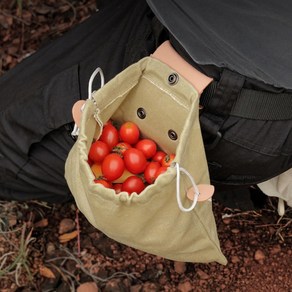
point(167, 92)
point(122, 94)
point(251, 147)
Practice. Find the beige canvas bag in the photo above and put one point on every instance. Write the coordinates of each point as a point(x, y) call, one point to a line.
point(161, 220)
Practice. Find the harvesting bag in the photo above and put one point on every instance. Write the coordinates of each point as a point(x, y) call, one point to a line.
point(161, 220)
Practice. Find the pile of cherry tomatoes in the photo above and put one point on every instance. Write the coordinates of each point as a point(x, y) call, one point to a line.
point(120, 159)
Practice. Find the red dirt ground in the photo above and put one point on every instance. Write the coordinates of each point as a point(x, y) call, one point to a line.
point(257, 244)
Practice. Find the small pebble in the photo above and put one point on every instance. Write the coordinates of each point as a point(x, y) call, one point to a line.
point(66, 225)
point(259, 256)
point(180, 267)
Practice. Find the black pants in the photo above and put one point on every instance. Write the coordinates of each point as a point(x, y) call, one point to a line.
point(248, 150)
point(36, 97)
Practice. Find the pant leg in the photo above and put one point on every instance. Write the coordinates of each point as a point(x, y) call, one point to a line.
point(279, 186)
point(36, 96)
point(42, 176)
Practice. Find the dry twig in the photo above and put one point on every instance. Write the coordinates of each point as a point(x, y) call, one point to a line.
point(79, 264)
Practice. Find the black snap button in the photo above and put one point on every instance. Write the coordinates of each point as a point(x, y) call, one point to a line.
point(172, 135)
point(172, 78)
point(141, 113)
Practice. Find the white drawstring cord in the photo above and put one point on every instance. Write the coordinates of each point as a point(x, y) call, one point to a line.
point(95, 72)
point(75, 131)
point(197, 193)
point(281, 207)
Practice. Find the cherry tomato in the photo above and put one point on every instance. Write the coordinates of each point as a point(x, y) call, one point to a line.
point(123, 177)
point(133, 184)
point(158, 156)
point(150, 171)
point(161, 170)
point(109, 135)
point(121, 147)
point(135, 160)
point(104, 182)
point(147, 146)
point(98, 151)
point(129, 132)
point(108, 122)
point(112, 166)
point(90, 162)
point(117, 188)
point(167, 159)
point(96, 169)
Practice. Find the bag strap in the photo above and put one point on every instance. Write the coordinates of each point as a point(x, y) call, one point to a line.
point(254, 104)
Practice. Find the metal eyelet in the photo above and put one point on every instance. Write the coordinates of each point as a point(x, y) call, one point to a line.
point(141, 113)
point(172, 135)
point(172, 78)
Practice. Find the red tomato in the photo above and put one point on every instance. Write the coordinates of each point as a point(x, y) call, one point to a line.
point(103, 182)
point(135, 160)
point(129, 132)
point(96, 169)
point(98, 151)
point(123, 177)
point(90, 162)
point(133, 184)
point(147, 146)
point(112, 166)
point(117, 188)
point(109, 135)
point(158, 156)
point(167, 159)
point(121, 147)
point(161, 170)
point(150, 171)
point(108, 122)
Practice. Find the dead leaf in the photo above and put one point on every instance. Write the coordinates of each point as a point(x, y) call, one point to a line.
point(66, 225)
point(46, 272)
point(42, 223)
point(68, 236)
